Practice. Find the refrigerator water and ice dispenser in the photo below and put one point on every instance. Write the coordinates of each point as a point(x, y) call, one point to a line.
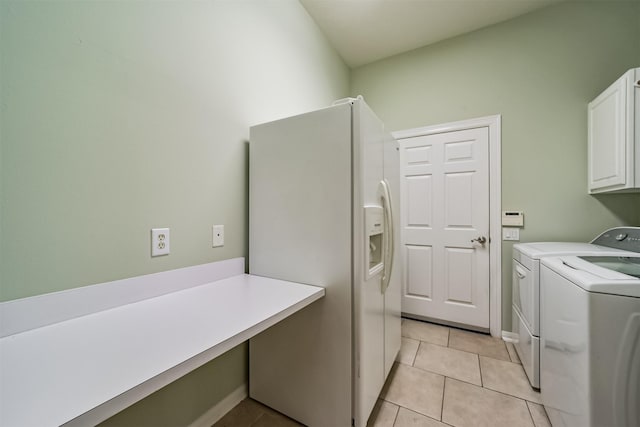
point(374, 219)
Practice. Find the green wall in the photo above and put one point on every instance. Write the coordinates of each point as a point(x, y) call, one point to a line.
point(538, 71)
point(187, 398)
point(117, 117)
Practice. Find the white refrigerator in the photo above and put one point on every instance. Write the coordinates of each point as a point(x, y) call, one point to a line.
point(323, 210)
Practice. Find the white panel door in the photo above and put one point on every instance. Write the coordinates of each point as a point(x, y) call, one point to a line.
point(445, 222)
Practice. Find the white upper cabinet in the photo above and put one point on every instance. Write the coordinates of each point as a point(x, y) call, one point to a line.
point(614, 136)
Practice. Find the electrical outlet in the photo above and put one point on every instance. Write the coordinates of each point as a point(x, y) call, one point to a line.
point(218, 235)
point(160, 241)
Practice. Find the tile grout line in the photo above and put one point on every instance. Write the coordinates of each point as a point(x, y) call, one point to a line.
point(396, 417)
point(496, 391)
point(530, 414)
point(258, 419)
point(442, 375)
point(444, 386)
point(471, 352)
point(480, 368)
point(416, 412)
point(509, 395)
point(439, 373)
point(466, 351)
point(415, 356)
point(514, 397)
point(422, 339)
point(412, 410)
point(481, 386)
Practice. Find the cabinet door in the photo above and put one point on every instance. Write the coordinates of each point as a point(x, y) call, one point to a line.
point(608, 139)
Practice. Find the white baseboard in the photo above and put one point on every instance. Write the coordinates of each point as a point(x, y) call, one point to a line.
point(218, 411)
point(510, 336)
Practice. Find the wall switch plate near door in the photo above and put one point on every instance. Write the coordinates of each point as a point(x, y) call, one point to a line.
point(160, 241)
point(510, 233)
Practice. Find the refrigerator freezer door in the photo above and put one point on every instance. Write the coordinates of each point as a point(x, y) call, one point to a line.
point(368, 165)
point(393, 293)
point(300, 229)
point(377, 303)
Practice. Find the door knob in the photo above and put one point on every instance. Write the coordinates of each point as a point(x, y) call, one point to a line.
point(482, 240)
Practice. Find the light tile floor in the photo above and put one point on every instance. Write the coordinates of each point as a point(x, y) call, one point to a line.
point(449, 377)
point(442, 377)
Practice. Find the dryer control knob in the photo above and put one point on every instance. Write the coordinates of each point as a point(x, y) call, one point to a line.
point(620, 237)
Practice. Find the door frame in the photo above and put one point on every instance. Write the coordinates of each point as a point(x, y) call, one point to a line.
point(494, 124)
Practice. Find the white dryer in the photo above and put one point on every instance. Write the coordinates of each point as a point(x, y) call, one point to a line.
point(590, 338)
point(526, 290)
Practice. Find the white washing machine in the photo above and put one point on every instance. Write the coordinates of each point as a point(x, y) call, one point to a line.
point(590, 338)
point(526, 290)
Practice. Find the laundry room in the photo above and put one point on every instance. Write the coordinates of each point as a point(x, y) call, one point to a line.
point(183, 198)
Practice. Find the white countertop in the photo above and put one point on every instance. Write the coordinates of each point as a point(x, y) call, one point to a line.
point(93, 366)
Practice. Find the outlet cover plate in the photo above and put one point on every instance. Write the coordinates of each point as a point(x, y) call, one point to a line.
point(218, 235)
point(160, 241)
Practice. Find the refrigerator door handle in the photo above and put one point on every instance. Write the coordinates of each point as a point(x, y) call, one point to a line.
point(389, 234)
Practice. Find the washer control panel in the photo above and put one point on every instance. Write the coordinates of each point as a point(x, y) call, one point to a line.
point(625, 238)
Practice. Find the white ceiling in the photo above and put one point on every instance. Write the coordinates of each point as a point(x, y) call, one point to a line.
point(363, 31)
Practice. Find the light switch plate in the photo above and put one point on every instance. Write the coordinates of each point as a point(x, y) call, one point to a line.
point(510, 233)
point(160, 242)
point(218, 235)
